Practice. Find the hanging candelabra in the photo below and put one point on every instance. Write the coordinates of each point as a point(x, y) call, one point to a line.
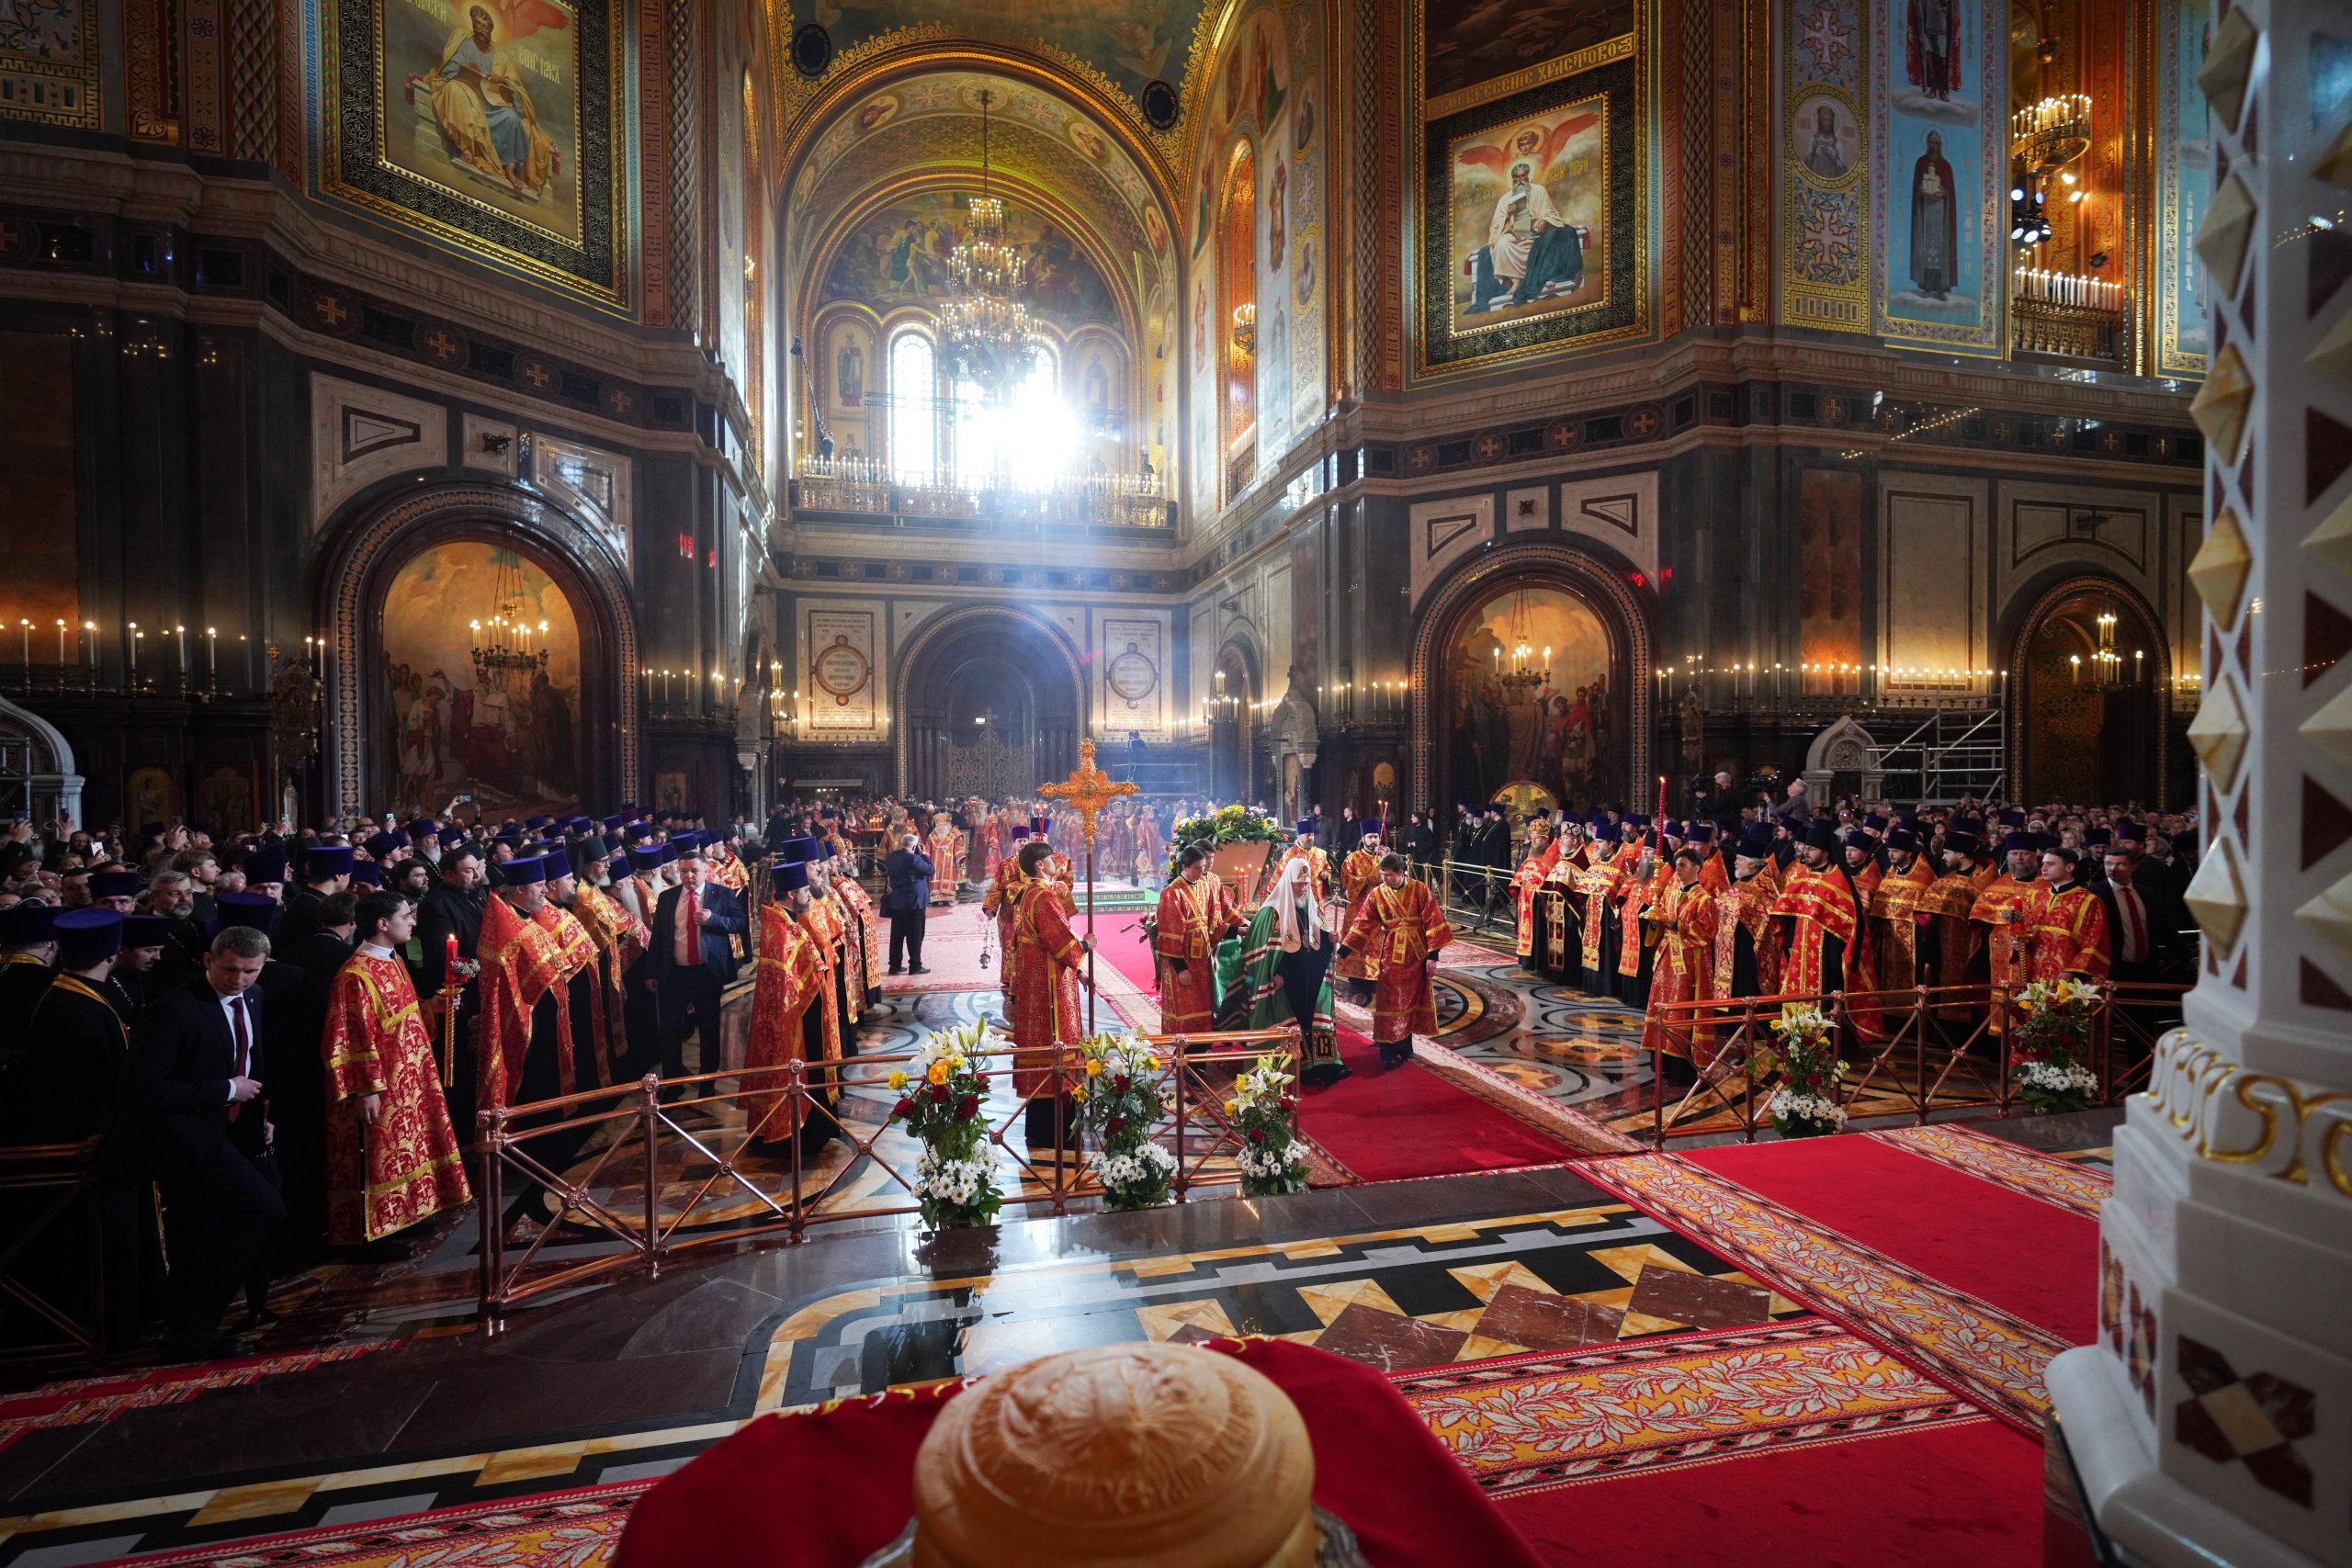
point(1526, 671)
point(503, 644)
point(983, 324)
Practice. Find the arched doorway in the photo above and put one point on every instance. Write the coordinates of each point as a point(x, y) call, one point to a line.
point(2088, 670)
point(1231, 707)
point(414, 717)
point(1526, 675)
point(988, 705)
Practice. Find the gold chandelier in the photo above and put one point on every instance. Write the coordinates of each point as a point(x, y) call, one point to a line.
point(1524, 673)
point(505, 645)
point(984, 325)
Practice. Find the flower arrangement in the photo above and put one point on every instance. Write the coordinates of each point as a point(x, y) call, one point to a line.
point(1233, 825)
point(2052, 1045)
point(940, 1098)
point(1125, 1091)
point(1803, 1051)
point(1264, 1111)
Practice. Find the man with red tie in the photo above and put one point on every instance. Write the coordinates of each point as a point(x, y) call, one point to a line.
point(190, 1100)
point(692, 959)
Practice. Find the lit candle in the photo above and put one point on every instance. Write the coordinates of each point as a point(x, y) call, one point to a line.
point(212, 659)
point(61, 647)
point(449, 963)
point(131, 648)
point(90, 657)
point(179, 635)
point(25, 632)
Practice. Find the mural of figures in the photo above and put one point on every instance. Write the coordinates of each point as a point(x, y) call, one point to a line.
point(1528, 213)
point(1562, 735)
point(1830, 140)
point(898, 257)
point(1130, 44)
point(849, 371)
point(513, 743)
point(482, 97)
point(1945, 136)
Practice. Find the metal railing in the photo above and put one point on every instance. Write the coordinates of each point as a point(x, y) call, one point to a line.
point(60, 1181)
point(1893, 1041)
point(648, 1233)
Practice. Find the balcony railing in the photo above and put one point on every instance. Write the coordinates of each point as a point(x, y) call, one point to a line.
point(868, 485)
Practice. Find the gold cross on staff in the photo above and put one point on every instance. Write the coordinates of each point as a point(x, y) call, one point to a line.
point(1088, 788)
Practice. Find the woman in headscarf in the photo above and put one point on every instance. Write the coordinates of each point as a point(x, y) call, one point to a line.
point(1281, 971)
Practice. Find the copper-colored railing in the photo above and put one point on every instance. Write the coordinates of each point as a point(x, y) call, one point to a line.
point(644, 1121)
point(1959, 1034)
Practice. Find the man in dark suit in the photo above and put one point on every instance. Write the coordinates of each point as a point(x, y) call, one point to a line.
point(906, 902)
point(692, 959)
point(326, 871)
point(297, 1074)
point(191, 1116)
point(2144, 922)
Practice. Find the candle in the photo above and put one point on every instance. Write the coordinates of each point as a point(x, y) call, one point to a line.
point(61, 648)
point(212, 659)
point(449, 963)
point(24, 631)
point(130, 649)
point(180, 636)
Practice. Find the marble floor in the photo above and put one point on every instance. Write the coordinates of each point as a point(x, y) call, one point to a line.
point(624, 1380)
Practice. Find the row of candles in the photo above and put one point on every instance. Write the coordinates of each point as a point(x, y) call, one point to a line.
point(1740, 681)
point(81, 651)
point(2057, 110)
point(2066, 288)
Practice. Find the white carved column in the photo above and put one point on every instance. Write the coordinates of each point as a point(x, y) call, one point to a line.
point(2213, 1421)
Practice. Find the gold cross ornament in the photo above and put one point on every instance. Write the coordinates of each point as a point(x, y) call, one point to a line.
point(1089, 789)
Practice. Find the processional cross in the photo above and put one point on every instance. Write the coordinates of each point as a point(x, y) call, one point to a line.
point(1089, 789)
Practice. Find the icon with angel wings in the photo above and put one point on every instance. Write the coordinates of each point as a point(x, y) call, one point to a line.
point(1525, 205)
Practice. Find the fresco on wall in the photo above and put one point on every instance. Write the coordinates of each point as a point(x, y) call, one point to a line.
point(2184, 185)
point(1130, 43)
point(1830, 546)
point(1535, 229)
point(1943, 107)
point(513, 744)
point(1825, 162)
point(1559, 734)
point(1465, 46)
point(898, 255)
point(488, 124)
point(49, 61)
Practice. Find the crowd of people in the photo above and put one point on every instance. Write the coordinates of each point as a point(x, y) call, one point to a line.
point(1766, 897)
point(287, 1036)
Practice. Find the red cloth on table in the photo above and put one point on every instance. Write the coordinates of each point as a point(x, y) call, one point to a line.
point(829, 1487)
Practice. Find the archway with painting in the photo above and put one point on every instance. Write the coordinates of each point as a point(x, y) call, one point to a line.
point(475, 654)
point(1231, 709)
point(2088, 670)
point(1523, 670)
point(989, 707)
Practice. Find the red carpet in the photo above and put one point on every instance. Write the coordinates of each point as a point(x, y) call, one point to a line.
point(1383, 1124)
point(1959, 1495)
point(2031, 1259)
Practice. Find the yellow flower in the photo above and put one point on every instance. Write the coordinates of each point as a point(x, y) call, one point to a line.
point(1151, 1064)
point(1079, 1094)
point(1231, 1106)
point(1094, 1067)
point(898, 1078)
point(938, 1073)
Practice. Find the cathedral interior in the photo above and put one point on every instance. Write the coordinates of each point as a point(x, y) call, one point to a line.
point(1626, 416)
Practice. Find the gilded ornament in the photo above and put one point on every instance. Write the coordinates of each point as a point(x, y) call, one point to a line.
point(2221, 567)
point(2229, 65)
point(2222, 238)
point(2219, 733)
point(2216, 895)
point(2330, 728)
point(2220, 407)
point(2330, 542)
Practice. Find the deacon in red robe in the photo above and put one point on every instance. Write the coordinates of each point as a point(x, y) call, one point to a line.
point(1400, 928)
point(2068, 925)
point(393, 1157)
point(1684, 917)
point(1196, 912)
point(1047, 977)
point(786, 980)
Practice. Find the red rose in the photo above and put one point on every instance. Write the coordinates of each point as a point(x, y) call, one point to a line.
point(1257, 1134)
point(904, 1108)
point(1122, 1083)
point(968, 1109)
point(1117, 1126)
point(939, 1094)
point(1290, 1102)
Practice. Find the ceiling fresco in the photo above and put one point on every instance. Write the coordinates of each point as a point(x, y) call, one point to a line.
point(1041, 157)
point(1119, 47)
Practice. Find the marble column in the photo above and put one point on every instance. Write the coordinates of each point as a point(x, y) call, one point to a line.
point(2212, 1422)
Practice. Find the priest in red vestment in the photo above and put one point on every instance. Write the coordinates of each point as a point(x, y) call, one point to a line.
point(1400, 928)
point(1047, 977)
point(392, 1158)
point(1827, 939)
point(1543, 854)
point(786, 980)
point(2003, 907)
point(1000, 900)
point(1684, 917)
point(1196, 912)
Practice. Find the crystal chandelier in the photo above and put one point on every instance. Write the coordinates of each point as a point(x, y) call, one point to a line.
point(1523, 674)
point(984, 325)
point(502, 645)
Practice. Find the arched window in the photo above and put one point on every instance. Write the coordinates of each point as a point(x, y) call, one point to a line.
point(1024, 442)
point(914, 410)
